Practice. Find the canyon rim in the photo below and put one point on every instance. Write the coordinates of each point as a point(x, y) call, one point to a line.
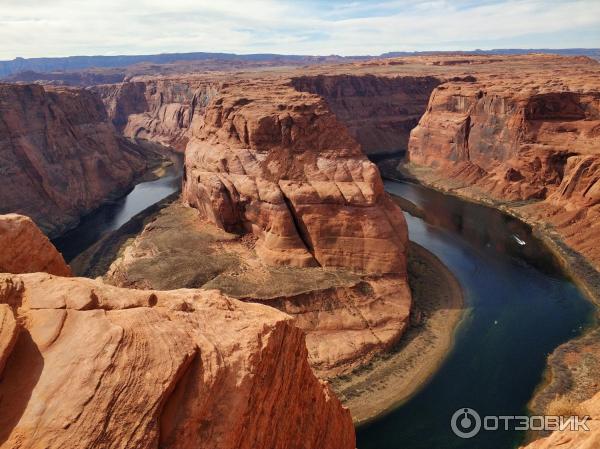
point(283, 251)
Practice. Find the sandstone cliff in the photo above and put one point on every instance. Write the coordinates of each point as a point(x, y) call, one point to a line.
point(348, 318)
point(277, 163)
point(103, 367)
point(59, 155)
point(379, 111)
point(157, 109)
point(84, 364)
point(531, 143)
point(26, 249)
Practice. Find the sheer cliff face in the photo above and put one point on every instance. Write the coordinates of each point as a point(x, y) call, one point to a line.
point(519, 142)
point(84, 364)
point(379, 112)
point(276, 162)
point(60, 157)
point(508, 141)
point(89, 365)
point(157, 109)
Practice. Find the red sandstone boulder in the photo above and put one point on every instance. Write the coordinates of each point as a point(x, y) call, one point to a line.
point(25, 249)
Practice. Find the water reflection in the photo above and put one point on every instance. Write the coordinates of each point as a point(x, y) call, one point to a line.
point(485, 228)
point(113, 215)
point(520, 308)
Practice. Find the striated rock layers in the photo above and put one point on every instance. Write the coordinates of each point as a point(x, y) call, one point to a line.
point(581, 439)
point(59, 155)
point(531, 143)
point(26, 249)
point(157, 109)
point(275, 162)
point(84, 364)
point(379, 111)
point(98, 366)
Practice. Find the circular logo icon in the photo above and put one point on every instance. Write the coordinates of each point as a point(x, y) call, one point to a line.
point(465, 423)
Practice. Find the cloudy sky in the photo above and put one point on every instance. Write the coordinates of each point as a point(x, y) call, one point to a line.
point(31, 28)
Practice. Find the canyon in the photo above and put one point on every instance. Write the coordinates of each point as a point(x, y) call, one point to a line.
point(60, 157)
point(199, 369)
point(529, 142)
point(284, 257)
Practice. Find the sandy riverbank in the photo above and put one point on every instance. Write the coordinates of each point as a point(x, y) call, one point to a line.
point(575, 265)
point(572, 375)
point(392, 379)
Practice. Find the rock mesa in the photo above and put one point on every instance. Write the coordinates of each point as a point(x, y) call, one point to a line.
point(275, 162)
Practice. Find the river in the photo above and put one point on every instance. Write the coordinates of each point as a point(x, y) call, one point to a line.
point(520, 307)
point(114, 214)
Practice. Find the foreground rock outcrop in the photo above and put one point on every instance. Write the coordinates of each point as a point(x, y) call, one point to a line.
point(275, 162)
point(60, 157)
point(98, 366)
point(84, 364)
point(25, 249)
point(532, 143)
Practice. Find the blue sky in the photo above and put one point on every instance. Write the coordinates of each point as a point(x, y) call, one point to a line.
point(31, 28)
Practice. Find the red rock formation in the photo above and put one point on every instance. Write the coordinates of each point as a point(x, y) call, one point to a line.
point(576, 439)
point(348, 318)
point(84, 364)
point(99, 366)
point(514, 140)
point(346, 327)
point(379, 111)
point(25, 249)
point(276, 162)
point(157, 109)
point(59, 156)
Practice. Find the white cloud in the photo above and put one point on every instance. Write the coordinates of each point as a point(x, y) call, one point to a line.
point(31, 28)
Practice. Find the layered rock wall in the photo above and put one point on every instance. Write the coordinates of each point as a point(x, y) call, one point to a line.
point(537, 149)
point(157, 109)
point(277, 163)
point(379, 111)
point(60, 157)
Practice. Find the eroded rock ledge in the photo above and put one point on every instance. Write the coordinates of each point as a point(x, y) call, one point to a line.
point(575, 439)
point(25, 249)
point(84, 364)
point(275, 162)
